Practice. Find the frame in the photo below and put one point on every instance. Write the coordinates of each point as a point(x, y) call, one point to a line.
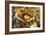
point(13, 7)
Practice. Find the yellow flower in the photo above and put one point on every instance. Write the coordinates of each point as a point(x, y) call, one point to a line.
point(22, 9)
point(19, 9)
point(26, 17)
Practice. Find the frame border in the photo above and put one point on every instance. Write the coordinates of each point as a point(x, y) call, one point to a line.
point(7, 16)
